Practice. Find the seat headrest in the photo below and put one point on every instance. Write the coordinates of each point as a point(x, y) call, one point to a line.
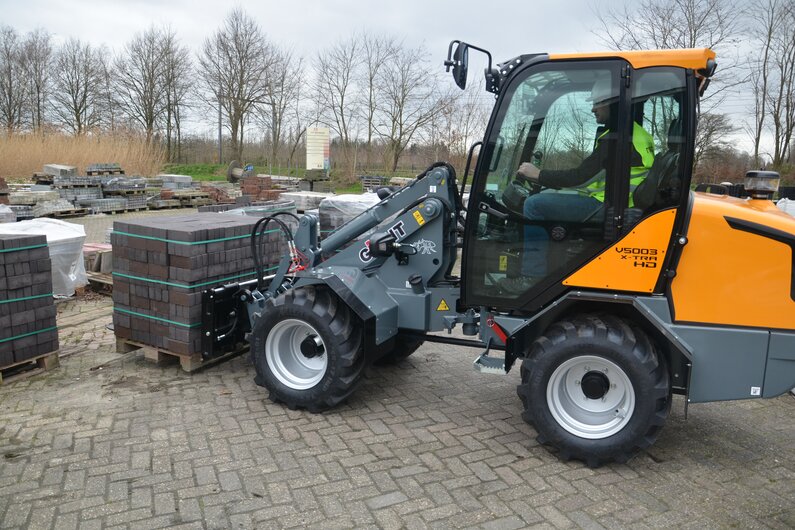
point(676, 138)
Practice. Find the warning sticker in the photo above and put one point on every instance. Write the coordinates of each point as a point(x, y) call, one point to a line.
point(419, 218)
point(503, 263)
point(443, 306)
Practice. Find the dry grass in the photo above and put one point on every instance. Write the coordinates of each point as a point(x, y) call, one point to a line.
point(22, 155)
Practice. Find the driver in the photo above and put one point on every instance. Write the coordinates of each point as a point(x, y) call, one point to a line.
point(588, 179)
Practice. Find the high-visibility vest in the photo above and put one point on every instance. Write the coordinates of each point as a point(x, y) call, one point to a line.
point(643, 143)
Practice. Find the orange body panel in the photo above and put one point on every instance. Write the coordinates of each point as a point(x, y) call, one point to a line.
point(732, 277)
point(694, 58)
point(632, 264)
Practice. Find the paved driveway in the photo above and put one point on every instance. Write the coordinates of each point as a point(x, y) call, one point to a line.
point(108, 440)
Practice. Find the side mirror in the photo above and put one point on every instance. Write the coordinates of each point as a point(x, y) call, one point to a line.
point(460, 65)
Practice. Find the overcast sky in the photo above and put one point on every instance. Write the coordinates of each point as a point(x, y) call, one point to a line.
point(308, 25)
point(506, 28)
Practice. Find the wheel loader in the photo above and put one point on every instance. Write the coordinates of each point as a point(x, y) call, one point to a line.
point(652, 290)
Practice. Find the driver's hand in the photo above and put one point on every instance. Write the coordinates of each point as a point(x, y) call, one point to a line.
point(528, 171)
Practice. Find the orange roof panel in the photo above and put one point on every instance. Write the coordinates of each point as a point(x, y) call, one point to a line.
point(694, 58)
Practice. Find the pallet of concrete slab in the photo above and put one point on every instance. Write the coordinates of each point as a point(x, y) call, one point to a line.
point(28, 333)
point(123, 186)
point(60, 208)
point(285, 183)
point(162, 265)
point(78, 193)
point(29, 198)
point(106, 205)
point(76, 182)
point(104, 169)
point(163, 204)
point(4, 191)
point(23, 212)
point(305, 200)
point(59, 170)
point(175, 182)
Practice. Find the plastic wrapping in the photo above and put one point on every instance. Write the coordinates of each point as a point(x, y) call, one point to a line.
point(270, 208)
point(7, 215)
point(305, 200)
point(65, 242)
point(337, 210)
point(786, 206)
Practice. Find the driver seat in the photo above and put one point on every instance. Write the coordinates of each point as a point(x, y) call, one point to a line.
point(662, 186)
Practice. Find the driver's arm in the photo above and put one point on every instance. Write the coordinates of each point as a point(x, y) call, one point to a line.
point(567, 178)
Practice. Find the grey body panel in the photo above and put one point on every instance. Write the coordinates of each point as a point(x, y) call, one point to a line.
point(780, 372)
point(730, 362)
point(420, 215)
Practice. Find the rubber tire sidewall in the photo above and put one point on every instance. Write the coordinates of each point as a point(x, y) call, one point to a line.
point(639, 432)
point(331, 389)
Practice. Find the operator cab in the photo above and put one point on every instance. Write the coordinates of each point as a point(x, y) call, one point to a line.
point(612, 145)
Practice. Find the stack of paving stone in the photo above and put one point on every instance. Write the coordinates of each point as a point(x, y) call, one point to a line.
point(260, 188)
point(27, 311)
point(175, 182)
point(59, 170)
point(23, 212)
point(305, 200)
point(53, 208)
point(104, 169)
point(3, 191)
point(162, 265)
point(110, 204)
point(30, 198)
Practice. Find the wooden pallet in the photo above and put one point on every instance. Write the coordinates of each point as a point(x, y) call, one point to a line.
point(160, 356)
point(100, 172)
point(29, 368)
point(66, 214)
point(100, 281)
point(136, 191)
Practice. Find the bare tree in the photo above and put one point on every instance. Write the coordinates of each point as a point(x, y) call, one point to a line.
point(13, 89)
point(412, 98)
point(375, 53)
point(140, 80)
point(767, 17)
point(234, 65)
point(780, 87)
point(177, 78)
point(711, 136)
point(662, 24)
point(335, 93)
point(37, 62)
point(106, 96)
point(77, 86)
point(282, 97)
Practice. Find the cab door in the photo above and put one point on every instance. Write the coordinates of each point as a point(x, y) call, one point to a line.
point(523, 240)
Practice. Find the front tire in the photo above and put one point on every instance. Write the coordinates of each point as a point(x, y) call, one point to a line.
point(306, 348)
point(595, 389)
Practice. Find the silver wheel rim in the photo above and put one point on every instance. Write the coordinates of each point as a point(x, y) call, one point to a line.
point(584, 417)
point(283, 353)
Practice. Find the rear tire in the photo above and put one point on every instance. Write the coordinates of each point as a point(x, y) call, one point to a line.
point(306, 348)
point(595, 389)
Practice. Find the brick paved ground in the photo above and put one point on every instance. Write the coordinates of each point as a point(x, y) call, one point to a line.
point(110, 441)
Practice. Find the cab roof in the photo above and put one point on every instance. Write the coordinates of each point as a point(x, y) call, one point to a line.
point(692, 58)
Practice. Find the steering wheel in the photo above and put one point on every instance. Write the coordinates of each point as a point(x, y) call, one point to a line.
point(517, 192)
